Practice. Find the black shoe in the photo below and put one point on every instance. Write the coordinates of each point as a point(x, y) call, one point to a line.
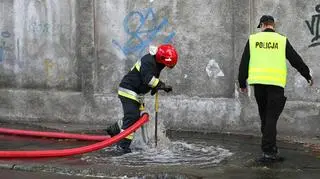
point(124, 145)
point(270, 158)
point(113, 129)
point(123, 150)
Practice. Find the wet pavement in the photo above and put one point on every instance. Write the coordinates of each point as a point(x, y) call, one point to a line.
point(178, 155)
point(14, 174)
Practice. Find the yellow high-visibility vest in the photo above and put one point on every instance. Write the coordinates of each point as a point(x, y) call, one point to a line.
point(267, 59)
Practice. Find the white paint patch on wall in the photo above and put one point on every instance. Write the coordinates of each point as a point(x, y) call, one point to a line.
point(213, 69)
point(19, 17)
point(236, 92)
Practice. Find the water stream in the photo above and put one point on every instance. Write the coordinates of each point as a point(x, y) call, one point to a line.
point(168, 153)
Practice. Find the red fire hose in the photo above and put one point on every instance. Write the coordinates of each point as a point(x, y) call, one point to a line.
point(76, 151)
point(59, 135)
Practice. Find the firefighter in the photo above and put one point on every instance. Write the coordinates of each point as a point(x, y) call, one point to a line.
point(142, 78)
point(263, 65)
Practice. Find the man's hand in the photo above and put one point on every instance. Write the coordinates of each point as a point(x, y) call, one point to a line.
point(164, 87)
point(167, 89)
point(243, 90)
point(310, 82)
point(154, 91)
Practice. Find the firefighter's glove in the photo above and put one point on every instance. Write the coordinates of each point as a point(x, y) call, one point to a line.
point(161, 86)
point(154, 91)
point(167, 89)
point(164, 87)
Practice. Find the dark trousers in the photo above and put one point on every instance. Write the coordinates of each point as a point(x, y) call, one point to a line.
point(131, 112)
point(271, 101)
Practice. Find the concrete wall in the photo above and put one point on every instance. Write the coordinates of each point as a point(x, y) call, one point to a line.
point(38, 44)
point(63, 60)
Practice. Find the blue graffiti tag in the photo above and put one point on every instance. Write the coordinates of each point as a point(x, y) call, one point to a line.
point(39, 27)
point(314, 26)
point(141, 37)
point(4, 34)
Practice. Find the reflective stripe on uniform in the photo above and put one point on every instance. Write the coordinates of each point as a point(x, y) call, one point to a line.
point(268, 79)
point(268, 70)
point(128, 94)
point(131, 95)
point(130, 136)
point(137, 65)
point(153, 82)
point(271, 76)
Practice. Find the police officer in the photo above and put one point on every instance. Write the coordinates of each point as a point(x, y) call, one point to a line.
point(142, 78)
point(263, 65)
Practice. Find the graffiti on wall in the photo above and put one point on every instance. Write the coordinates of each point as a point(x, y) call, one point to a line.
point(44, 28)
point(314, 26)
point(3, 37)
point(38, 27)
point(144, 33)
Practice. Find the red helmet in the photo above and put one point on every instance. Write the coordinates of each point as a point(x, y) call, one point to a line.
point(167, 55)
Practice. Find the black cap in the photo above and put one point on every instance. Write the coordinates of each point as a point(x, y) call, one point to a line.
point(265, 18)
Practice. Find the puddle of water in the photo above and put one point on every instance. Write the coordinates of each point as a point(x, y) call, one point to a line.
point(156, 176)
point(166, 153)
point(177, 153)
point(159, 176)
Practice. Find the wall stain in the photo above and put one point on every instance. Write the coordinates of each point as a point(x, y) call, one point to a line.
point(48, 65)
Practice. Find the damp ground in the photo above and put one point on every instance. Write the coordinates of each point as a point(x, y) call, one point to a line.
point(179, 155)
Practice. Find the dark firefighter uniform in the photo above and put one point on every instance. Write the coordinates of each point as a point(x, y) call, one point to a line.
point(263, 65)
point(143, 77)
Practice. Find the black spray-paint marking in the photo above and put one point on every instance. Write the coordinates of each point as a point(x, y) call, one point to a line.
point(314, 26)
